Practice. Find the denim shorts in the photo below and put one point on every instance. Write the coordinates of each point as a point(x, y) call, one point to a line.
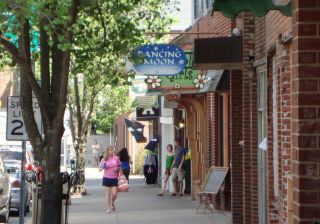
point(110, 182)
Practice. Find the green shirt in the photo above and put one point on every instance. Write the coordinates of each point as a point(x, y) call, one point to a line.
point(169, 161)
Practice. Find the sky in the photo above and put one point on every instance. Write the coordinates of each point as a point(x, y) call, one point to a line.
point(183, 16)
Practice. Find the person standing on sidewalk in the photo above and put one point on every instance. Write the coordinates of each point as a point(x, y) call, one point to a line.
point(125, 162)
point(176, 168)
point(111, 165)
point(169, 160)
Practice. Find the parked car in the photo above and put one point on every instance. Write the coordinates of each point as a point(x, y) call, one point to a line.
point(14, 170)
point(11, 156)
point(5, 193)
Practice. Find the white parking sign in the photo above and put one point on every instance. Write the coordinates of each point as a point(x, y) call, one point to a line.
point(15, 125)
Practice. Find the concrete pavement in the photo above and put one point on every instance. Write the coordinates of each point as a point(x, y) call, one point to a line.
point(139, 205)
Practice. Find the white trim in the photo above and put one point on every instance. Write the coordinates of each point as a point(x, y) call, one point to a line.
point(275, 130)
point(262, 133)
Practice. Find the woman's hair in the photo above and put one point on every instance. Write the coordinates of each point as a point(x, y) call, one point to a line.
point(106, 153)
point(170, 146)
point(123, 155)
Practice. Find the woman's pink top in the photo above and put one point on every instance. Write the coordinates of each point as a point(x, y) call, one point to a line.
point(111, 166)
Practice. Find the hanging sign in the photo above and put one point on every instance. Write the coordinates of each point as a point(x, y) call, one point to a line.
point(160, 59)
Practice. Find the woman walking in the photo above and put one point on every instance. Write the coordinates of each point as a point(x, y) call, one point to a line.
point(125, 162)
point(169, 160)
point(111, 165)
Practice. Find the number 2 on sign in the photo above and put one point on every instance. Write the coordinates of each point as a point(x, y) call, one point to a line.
point(15, 131)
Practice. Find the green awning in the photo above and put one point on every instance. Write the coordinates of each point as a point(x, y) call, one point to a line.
point(230, 8)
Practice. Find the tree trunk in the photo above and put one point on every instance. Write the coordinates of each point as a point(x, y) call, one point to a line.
point(81, 163)
point(52, 183)
point(81, 160)
point(48, 154)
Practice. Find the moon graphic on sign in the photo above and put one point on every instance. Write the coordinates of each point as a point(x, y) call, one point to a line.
point(281, 2)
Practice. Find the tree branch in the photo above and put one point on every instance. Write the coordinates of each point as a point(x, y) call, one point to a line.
point(88, 115)
point(44, 60)
point(24, 51)
point(77, 105)
point(103, 25)
point(66, 59)
point(11, 49)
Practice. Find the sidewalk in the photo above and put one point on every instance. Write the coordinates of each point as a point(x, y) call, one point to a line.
point(139, 205)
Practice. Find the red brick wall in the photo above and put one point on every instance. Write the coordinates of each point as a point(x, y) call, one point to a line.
point(306, 110)
point(260, 38)
point(277, 205)
point(277, 28)
point(215, 23)
point(277, 25)
point(249, 125)
point(269, 31)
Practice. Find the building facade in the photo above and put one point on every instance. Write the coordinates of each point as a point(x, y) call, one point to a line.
point(265, 124)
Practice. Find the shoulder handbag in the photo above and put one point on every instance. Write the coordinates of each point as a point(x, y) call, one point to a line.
point(123, 185)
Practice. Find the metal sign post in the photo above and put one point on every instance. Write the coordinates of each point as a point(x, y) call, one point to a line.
point(22, 184)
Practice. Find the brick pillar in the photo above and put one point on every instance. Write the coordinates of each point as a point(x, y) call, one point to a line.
point(306, 111)
point(254, 151)
point(248, 124)
point(212, 150)
point(284, 96)
point(209, 123)
point(236, 151)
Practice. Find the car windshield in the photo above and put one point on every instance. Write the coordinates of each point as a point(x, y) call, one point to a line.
point(13, 171)
point(10, 155)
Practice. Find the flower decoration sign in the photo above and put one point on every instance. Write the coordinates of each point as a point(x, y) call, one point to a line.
point(160, 59)
point(187, 81)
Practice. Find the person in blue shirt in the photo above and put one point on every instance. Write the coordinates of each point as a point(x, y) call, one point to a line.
point(177, 168)
point(125, 162)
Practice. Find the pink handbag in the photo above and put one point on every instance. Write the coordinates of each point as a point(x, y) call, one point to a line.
point(123, 185)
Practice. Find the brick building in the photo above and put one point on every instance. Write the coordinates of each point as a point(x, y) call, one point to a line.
point(202, 110)
point(265, 125)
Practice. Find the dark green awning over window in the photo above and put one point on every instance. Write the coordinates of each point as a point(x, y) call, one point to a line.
point(230, 8)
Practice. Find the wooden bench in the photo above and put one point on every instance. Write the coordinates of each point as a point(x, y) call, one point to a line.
point(210, 187)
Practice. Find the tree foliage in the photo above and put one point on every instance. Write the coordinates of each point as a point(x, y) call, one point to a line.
point(113, 101)
point(106, 34)
point(93, 36)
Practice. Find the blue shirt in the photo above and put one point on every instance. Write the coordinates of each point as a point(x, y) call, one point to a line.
point(125, 165)
point(179, 153)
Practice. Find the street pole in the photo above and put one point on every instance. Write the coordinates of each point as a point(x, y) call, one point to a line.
point(133, 155)
point(110, 137)
point(65, 152)
point(22, 184)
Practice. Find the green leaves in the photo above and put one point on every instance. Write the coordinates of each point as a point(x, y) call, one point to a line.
point(113, 101)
